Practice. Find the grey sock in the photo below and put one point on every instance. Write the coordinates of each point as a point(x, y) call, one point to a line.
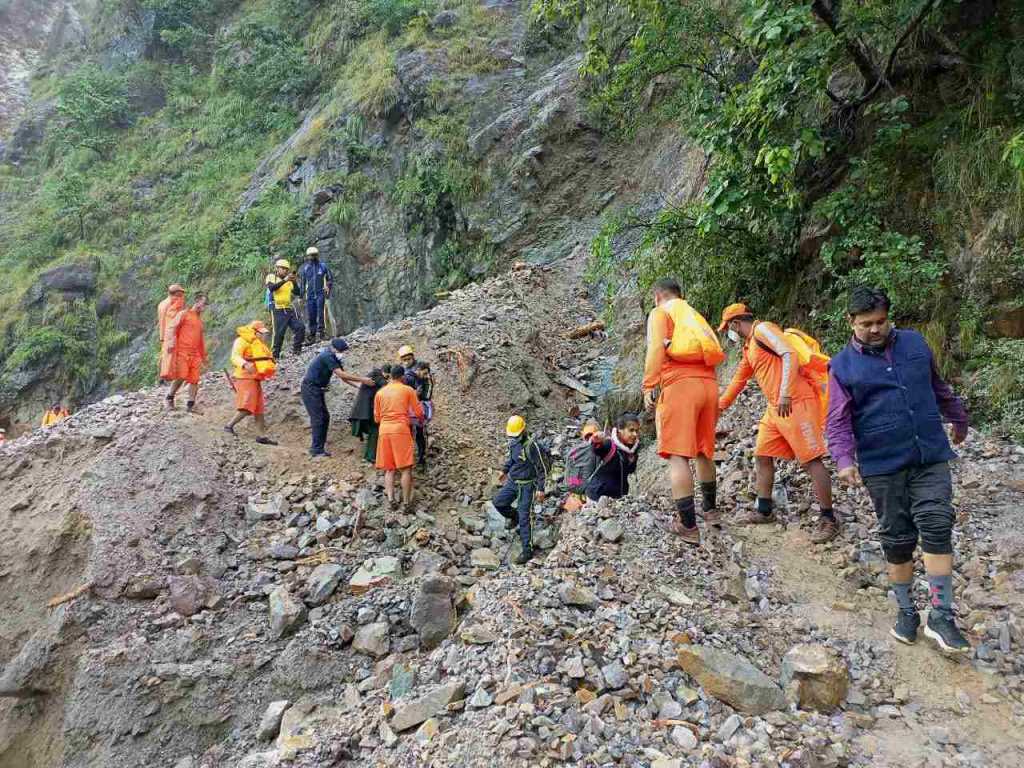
point(940, 589)
point(903, 597)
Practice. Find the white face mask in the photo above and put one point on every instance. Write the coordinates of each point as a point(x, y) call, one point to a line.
point(733, 336)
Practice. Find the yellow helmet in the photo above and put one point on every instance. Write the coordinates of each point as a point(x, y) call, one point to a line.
point(283, 263)
point(312, 251)
point(405, 350)
point(514, 426)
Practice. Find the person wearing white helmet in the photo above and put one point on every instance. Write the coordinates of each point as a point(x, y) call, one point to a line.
point(282, 284)
point(315, 281)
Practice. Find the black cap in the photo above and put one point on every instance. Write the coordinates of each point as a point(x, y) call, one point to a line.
point(339, 344)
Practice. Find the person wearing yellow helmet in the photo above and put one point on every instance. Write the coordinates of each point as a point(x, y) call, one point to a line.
point(281, 284)
point(523, 478)
point(315, 282)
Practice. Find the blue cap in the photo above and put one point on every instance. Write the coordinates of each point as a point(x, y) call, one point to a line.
point(339, 344)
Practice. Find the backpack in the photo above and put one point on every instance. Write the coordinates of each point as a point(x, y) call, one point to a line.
point(262, 359)
point(581, 465)
point(692, 337)
point(812, 362)
point(543, 451)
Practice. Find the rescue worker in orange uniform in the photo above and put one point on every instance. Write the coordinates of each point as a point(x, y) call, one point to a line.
point(253, 363)
point(687, 409)
point(394, 408)
point(187, 352)
point(791, 427)
point(166, 311)
point(54, 415)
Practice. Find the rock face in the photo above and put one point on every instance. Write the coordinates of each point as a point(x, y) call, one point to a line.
point(421, 709)
point(433, 612)
point(814, 677)
point(732, 679)
point(286, 613)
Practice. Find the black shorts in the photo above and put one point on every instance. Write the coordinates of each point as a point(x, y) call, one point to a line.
point(914, 504)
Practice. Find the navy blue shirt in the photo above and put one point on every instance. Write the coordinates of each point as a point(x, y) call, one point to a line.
point(319, 372)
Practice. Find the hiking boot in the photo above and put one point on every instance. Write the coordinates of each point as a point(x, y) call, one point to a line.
point(169, 403)
point(690, 535)
point(712, 517)
point(194, 410)
point(942, 630)
point(524, 557)
point(905, 629)
point(265, 441)
point(230, 430)
point(753, 517)
point(826, 529)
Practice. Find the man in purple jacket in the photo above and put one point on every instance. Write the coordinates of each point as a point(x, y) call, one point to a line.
point(885, 412)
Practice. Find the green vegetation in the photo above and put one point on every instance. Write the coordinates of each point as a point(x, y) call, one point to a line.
point(144, 168)
point(847, 143)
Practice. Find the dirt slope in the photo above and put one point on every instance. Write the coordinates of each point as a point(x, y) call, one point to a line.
point(182, 533)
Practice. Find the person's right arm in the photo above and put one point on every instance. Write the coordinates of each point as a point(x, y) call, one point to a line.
point(738, 383)
point(787, 379)
point(839, 430)
point(657, 332)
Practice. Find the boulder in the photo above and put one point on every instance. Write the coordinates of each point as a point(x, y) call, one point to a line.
point(373, 640)
point(144, 586)
point(732, 679)
point(191, 594)
point(286, 613)
point(572, 594)
point(814, 677)
point(75, 281)
point(423, 708)
point(610, 530)
point(485, 559)
point(433, 611)
point(322, 583)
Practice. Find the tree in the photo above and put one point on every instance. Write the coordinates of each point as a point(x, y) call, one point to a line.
point(92, 103)
point(72, 196)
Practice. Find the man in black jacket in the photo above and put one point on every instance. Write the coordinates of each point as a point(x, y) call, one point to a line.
point(524, 477)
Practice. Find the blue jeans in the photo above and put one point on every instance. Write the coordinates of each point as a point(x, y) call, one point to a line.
point(315, 315)
point(517, 494)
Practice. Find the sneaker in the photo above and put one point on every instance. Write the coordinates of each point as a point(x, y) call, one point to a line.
point(230, 430)
point(905, 629)
point(169, 403)
point(320, 455)
point(265, 441)
point(826, 529)
point(942, 630)
point(712, 517)
point(524, 557)
point(753, 517)
point(194, 410)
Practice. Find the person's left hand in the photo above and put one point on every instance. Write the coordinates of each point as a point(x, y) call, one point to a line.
point(785, 407)
point(957, 436)
point(649, 399)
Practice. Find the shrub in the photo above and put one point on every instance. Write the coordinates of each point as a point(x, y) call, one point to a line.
point(371, 78)
point(92, 103)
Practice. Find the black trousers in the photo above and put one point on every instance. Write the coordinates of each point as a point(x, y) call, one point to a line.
point(914, 504)
point(319, 417)
point(283, 320)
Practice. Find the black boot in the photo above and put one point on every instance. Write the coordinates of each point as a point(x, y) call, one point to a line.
point(525, 556)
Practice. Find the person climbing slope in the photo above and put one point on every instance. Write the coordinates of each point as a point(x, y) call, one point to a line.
point(315, 281)
point(885, 411)
point(253, 364)
point(171, 304)
point(282, 285)
point(523, 478)
point(394, 407)
point(314, 386)
point(580, 464)
point(791, 426)
point(682, 354)
point(187, 352)
point(616, 458)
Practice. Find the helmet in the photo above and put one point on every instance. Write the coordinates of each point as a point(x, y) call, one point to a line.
point(312, 251)
point(258, 326)
point(731, 312)
point(514, 426)
point(283, 263)
point(175, 288)
point(405, 350)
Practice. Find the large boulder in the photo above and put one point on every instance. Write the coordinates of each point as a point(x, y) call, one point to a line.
point(433, 611)
point(373, 640)
point(322, 583)
point(76, 280)
point(814, 677)
point(732, 679)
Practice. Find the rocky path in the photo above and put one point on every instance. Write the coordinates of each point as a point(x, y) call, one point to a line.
point(247, 607)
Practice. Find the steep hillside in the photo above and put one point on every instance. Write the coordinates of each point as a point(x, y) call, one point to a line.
point(419, 144)
point(228, 605)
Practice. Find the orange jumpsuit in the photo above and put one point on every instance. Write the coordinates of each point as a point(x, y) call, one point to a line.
point(394, 408)
point(769, 358)
point(186, 347)
point(688, 407)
